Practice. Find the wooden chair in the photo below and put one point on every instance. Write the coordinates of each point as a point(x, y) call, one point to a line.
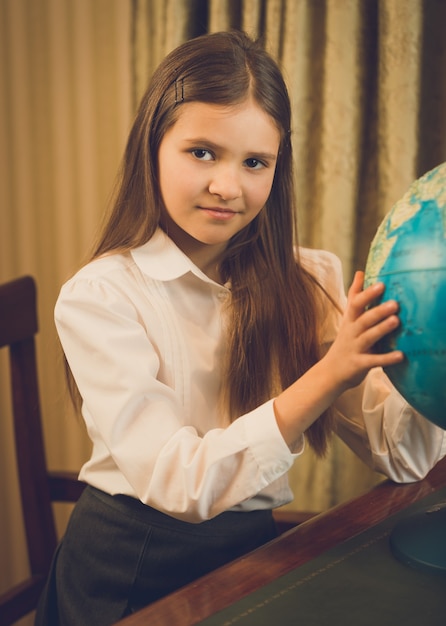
point(38, 487)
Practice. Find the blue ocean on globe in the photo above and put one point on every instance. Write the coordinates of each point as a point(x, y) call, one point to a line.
point(408, 254)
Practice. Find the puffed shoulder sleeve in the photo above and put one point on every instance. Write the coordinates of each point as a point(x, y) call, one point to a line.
point(326, 267)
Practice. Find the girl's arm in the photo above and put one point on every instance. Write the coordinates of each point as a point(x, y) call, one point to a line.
point(345, 365)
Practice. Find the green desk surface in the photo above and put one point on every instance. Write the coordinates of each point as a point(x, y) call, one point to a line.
point(357, 583)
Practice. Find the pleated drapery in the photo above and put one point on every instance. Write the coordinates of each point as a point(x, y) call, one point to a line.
point(65, 111)
point(367, 80)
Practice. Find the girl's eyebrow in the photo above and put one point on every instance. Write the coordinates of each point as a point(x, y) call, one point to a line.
point(202, 141)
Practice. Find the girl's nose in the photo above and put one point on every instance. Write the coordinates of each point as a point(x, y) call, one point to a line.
point(225, 184)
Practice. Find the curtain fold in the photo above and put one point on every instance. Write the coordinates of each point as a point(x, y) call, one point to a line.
point(367, 81)
point(65, 111)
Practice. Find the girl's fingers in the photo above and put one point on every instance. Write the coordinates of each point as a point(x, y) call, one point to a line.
point(360, 299)
point(371, 334)
point(387, 359)
point(374, 323)
point(367, 323)
point(358, 282)
point(378, 313)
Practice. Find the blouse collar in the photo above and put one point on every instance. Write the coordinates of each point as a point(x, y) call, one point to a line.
point(161, 259)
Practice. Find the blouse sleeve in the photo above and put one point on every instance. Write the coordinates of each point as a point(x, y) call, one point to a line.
point(386, 432)
point(137, 424)
point(373, 419)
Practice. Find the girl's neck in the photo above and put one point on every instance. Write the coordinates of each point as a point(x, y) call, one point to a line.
point(206, 257)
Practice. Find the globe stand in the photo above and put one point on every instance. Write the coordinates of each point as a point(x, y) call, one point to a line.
point(420, 540)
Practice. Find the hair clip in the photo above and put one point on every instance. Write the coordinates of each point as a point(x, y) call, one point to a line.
point(179, 90)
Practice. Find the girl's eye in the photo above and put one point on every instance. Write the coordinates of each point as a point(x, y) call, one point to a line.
point(202, 154)
point(254, 164)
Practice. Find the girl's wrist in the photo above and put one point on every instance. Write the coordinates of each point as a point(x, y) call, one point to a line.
point(301, 404)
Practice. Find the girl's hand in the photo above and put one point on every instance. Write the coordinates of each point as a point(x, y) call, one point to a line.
point(351, 354)
point(345, 364)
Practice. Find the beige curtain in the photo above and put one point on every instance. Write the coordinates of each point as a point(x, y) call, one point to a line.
point(65, 111)
point(367, 79)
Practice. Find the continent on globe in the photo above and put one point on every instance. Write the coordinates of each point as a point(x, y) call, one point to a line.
point(408, 254)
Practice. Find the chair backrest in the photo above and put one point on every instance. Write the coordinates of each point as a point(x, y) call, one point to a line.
point(18, 327)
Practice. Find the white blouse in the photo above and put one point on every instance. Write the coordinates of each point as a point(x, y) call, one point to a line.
point(142, 333)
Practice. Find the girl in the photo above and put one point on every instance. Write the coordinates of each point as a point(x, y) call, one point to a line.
point(205, 348)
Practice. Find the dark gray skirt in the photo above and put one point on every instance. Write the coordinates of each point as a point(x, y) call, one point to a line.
point(119, 555)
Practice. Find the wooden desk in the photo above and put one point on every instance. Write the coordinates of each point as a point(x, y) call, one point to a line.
point(230, 583)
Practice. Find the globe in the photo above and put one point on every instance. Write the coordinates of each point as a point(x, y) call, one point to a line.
point(408, 254)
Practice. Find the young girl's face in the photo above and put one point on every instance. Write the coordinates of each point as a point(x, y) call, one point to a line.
point(216, 168)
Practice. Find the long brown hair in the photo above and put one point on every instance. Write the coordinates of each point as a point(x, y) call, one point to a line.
point(275, 303)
